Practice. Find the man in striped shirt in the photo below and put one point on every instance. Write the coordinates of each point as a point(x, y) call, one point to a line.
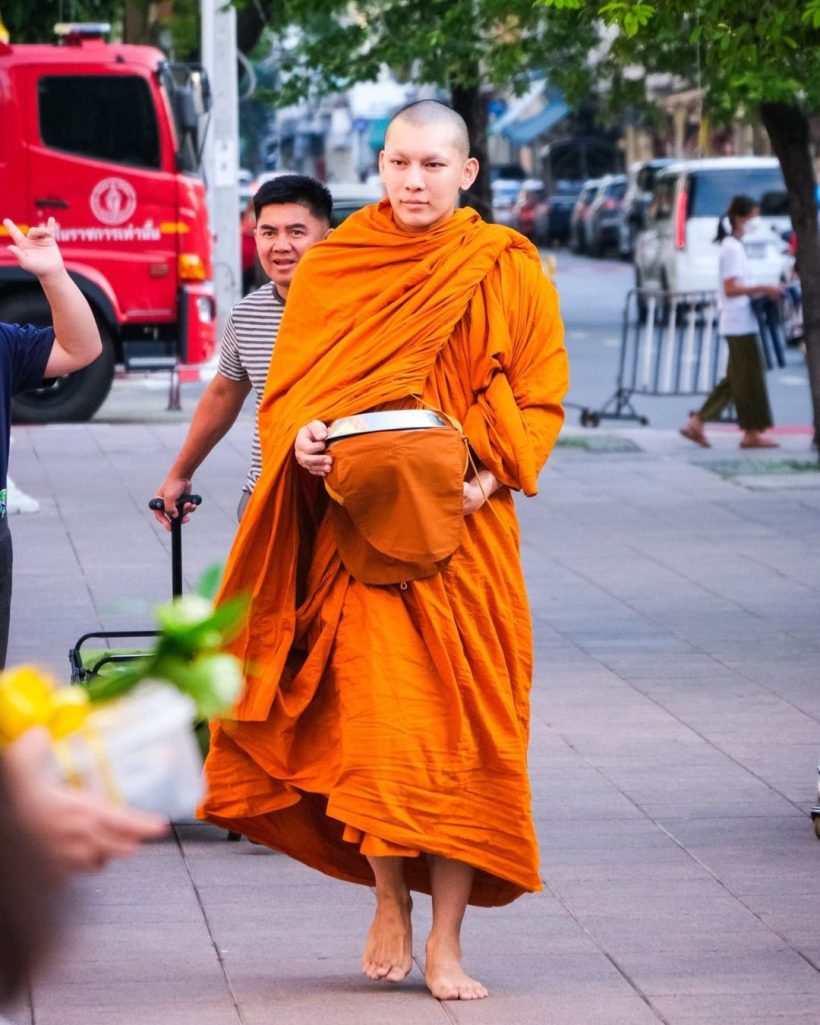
point(292, 213)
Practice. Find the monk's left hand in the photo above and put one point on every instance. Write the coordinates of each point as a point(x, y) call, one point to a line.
point(478, 490)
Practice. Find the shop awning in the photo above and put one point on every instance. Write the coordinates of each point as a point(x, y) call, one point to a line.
point(521, 133)
point(535, 113)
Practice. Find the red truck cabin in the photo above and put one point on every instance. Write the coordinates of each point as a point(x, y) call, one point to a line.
point(103, 138)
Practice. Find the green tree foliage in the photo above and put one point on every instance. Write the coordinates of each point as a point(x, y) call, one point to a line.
point(459, 45)
point(759, 59)
point(131, 21)
point(30, 22)
point(466, 42)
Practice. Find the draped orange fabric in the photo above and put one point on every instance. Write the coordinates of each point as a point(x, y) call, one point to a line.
point(377, 719)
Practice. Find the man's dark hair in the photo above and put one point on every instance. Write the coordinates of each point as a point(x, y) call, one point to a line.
point(295, 188)
point(740, 206)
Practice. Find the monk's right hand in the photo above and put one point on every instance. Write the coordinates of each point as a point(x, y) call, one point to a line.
point(170, 491)
point(310, 449)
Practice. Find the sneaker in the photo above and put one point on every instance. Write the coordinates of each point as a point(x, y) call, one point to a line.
point(18, 501)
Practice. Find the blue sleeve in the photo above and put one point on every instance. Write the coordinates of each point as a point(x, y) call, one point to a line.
point(25, 352)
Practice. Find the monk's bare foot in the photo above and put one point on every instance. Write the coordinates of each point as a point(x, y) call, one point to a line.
point(445, 977)
point(388, 952)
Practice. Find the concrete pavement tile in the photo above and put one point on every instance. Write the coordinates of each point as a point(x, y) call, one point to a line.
point(184, 1000)
point(701, 574)
point(695, 781)
point(681, 877)
point(695, 807)
point(566, 803)
point(775, 856)
point(799, 927)
point(126, 1014)
point(684, 665)
point(733, 928)
point(123, 915)
point(776, 835)
point(508, 936)
point(620, 840)
point(723, 973)
point(609, 897)
point(548, 977)
point(338, 999)
point(674, 746)
point(739, 1009)
point(508, 1006)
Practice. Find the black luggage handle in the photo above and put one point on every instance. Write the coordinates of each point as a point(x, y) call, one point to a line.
point(158, 505)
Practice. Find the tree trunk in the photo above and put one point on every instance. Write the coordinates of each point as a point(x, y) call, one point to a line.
point(788, 130)
point(250, 23)
point(135, 22)
point(468, 102)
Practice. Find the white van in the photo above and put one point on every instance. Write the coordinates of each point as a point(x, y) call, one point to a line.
point(676, 252)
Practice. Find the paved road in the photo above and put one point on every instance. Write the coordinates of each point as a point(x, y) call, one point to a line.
point(675, 733)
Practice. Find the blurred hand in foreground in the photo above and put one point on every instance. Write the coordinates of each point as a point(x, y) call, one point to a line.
point(76, 831)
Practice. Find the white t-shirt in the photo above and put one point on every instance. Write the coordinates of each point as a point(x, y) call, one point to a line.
point(736, 315)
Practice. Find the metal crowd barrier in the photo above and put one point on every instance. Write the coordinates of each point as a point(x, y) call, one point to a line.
point(670, 345)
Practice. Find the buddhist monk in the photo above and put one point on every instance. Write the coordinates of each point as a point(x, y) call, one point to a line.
point(382, 736)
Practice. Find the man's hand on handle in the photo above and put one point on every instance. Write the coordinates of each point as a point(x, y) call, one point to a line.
point(170, 491)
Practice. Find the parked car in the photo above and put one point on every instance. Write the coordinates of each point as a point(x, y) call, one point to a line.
point(639, 187)
point(603, 221)
point(578, 237)
point(505, 193)
point(348, 197)
point(560, 203)
point(530, 213)
point(676, 251)
point(510, 172)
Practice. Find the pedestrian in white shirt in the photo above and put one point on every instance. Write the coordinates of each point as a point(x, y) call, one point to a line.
point(745, 380)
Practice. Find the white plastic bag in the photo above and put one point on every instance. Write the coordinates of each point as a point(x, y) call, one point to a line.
point(139, 749)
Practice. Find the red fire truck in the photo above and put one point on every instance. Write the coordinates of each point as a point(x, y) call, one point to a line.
point(103, 137)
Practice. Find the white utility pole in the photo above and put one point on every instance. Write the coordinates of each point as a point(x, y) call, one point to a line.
point(221, 157)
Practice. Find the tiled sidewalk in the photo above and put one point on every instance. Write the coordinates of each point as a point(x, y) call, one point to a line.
point(676, 729)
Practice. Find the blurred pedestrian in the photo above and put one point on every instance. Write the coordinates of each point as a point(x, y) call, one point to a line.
point(49, 832)
point(745, 382)
point(29, 355)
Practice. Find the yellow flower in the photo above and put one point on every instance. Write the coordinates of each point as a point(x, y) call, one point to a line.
point(29, 698)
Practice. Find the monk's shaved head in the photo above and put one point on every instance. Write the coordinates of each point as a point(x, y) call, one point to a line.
point(424, 113)
point(425, 163)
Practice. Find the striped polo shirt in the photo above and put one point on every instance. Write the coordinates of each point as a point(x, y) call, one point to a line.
point(245, 352)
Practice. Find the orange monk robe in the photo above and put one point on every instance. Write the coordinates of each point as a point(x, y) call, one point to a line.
point(378, 720)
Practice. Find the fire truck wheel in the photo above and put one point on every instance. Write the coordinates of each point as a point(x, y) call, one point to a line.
point(73, 397)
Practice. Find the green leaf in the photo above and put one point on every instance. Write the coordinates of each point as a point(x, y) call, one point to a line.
point(208, 583)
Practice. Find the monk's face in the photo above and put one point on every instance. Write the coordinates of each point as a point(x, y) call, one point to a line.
point(423, 170)
point(284, 232)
